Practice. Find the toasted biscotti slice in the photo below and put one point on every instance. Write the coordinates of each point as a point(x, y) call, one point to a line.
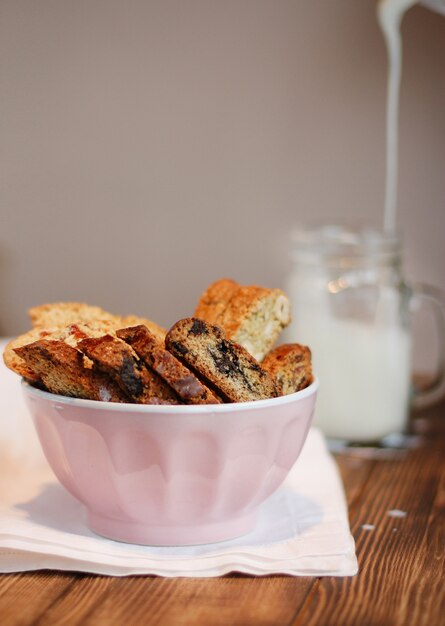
point(18, 364)
point(255, 317)
point(63, 314)
point(290, 366)
point(74, 333)
point(188, 387)
point(214, 300)
point(251, 316)
point(60, 368)
point(134, 320)
point(117, 359)
point(70, 335)
point(228, 367)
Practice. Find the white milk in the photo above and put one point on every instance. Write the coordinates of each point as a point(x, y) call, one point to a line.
point(363, 366)
point(365, 380)
point(390, 14)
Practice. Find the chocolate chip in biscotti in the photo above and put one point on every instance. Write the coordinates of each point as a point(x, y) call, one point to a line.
point(117, 359)
point(156, 357)
point(179, 348)
point(198, 327)
point(225, 365)
point(290, 366)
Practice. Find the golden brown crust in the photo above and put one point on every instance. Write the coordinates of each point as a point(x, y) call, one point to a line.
point(240, 306)
point(70, 322)
point(169, 368)
point(14, 361)
point(290, 366)
point(117, 359)
point(250, 315)
point(204, 362)
point(70, 335)
point(227, 366)
point(134, 320)
point(60, 368)
point(214, 300)
point(74, 333)
point(62, 314)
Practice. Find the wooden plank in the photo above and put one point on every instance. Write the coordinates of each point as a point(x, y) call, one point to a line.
point(74, 606)
point(24, 597)
point(390, 588)
point(429, 584)
point(355, 471)
point(230, 600)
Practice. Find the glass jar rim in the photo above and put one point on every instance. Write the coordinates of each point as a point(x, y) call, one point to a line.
point(339, 243)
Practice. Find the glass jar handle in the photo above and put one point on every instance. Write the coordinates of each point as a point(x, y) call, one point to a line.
point(436, 299)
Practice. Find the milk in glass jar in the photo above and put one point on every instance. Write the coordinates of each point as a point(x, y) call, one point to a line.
point(351, 306)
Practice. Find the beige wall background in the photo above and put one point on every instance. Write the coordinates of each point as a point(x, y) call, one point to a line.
point(151, 146)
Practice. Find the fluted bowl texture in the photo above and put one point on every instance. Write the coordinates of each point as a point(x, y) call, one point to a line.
point(171, 475)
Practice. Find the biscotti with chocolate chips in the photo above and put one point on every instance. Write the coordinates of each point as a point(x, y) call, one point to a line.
point(216, 356)
point(119, 361)
point(11, 354)
point(223, 364)
point(70, 335)
point(61, 369)
point(290, 366)
point(186, 385)
point(251, 316)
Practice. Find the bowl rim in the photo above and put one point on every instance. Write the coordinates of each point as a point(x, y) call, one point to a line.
point(176, 409)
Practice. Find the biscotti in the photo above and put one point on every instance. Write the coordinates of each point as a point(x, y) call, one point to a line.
point(251, 316)
point(187, 386)
point(290, 366)
point(216, 356)
point(134, 320)
point(63, 314)
point(70, 335)
point(11, 354)
point(119, 361)
point(226, 366)
point(60, 367)
point(213, 302)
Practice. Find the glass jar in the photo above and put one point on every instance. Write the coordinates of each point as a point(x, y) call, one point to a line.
point(351, 306)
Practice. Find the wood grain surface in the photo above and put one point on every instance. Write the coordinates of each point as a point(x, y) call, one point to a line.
point(401, 581)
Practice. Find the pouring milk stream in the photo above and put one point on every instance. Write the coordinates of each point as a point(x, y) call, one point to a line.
point(355, 319)
point(390, 14)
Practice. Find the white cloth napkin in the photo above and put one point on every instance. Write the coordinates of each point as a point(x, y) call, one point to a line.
point(302, 529)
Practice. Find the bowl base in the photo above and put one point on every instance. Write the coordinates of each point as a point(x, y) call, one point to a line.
point(148, 535)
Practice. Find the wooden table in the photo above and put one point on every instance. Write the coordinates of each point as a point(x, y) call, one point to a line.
point(401, 578)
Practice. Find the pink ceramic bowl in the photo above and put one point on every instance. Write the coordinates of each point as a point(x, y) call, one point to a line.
point(171, 475)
